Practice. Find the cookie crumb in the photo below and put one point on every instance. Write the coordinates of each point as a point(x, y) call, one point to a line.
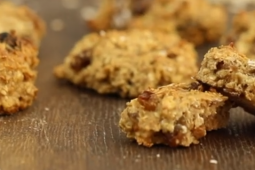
point(57, 25)
point(137, 160)
point(102, 33)
point(158, 155)
point(88, 13)
point(70, 4)
point(46, 109)
point(213, 161)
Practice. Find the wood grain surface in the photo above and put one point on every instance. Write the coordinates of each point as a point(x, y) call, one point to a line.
point(69, 128)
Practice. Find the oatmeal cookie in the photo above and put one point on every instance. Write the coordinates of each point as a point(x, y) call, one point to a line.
point(231, 73)
point(18, 59)
point(242, 33)
point(174, 115)
point(22, 20)
point(195, 20)
point(127, 62)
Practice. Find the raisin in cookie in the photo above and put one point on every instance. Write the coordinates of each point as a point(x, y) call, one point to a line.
point(174, 115)
point(195, 20)
point(22, 20)
point(18, 59)
point(231, 73)
point(127, 62)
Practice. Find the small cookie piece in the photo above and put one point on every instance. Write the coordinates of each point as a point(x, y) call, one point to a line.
point(22, 20)
point(242, 33)
point(18, 59)
point(174, 115)
point(127, 62)
point(195, 20)
point(231, 73)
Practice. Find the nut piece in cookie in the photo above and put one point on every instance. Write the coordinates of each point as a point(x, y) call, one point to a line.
point(22, 20)
point(174, 115)
point(18, 59)
point(231, 73)
point(127, 62)
point(242, 33)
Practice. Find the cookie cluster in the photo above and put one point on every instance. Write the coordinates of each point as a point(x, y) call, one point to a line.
point(180, 114)
point(142, 49)
point(146, 49)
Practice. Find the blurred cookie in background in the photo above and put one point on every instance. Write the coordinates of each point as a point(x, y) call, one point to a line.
point(235, 6)
point(242, 33)
point(198, 21)
point(22, 20)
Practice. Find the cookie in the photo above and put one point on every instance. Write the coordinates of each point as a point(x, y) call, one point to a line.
point(127, 62)
point(198, 21)
point(231, 73)
point(242, 33)
point(22, 20)
point(174, 115)
point(18, 60)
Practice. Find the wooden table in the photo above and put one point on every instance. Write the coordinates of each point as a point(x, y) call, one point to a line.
point(72, 128)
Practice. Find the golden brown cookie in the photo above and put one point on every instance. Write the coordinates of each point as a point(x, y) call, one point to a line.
point(18, 59)
point(127, 62)
point(174, 115)
point(231, 73)
point(22, 20)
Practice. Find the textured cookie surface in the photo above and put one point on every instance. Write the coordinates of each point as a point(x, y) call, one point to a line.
point(195, 20)
point(231, 73)
point(174, 115)
point(127, 62)
point(22, 20)
point(18, 59)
